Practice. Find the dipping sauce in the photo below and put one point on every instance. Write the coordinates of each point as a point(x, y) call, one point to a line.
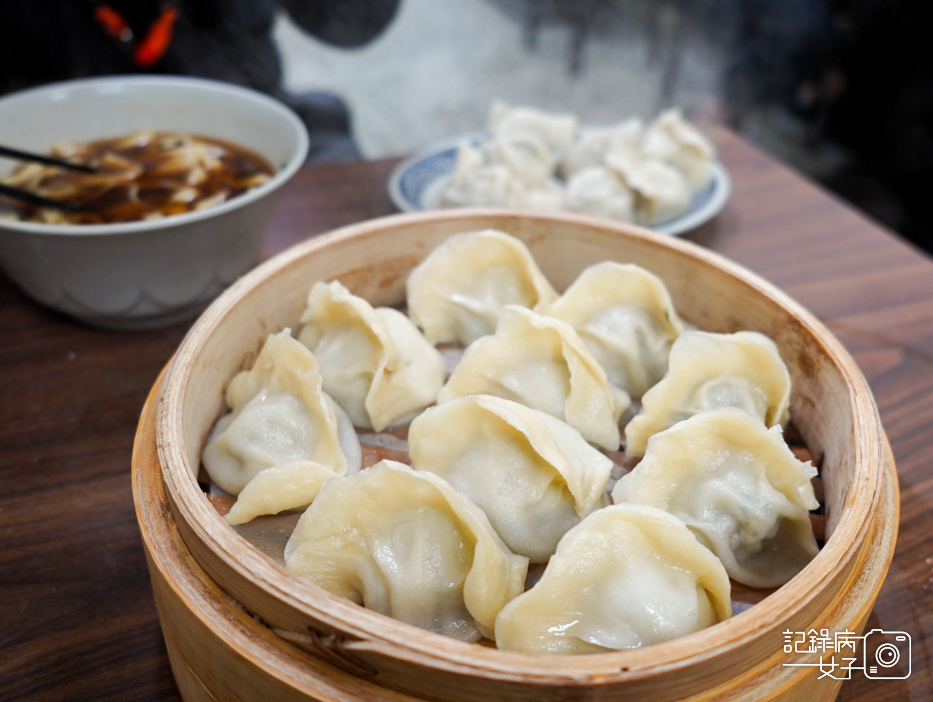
point(146, 175)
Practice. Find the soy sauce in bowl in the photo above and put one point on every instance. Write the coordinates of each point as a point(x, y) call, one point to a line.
point(141, 176)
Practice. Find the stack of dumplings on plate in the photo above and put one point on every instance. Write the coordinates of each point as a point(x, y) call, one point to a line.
point(542, 161)
point(516, 452)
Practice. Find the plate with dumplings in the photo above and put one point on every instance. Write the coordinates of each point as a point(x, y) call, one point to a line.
point(465, 455)
point(663, 175)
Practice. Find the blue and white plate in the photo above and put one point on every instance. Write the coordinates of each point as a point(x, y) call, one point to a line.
point(417, 183)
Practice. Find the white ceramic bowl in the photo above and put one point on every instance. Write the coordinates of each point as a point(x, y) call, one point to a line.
point(151, 273)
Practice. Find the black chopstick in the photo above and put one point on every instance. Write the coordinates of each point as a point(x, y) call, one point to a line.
point(48, 160)
point(34, 199)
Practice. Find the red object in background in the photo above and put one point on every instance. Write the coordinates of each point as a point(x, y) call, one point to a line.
point(113, 23)
point(147, 52)
point(156, 41)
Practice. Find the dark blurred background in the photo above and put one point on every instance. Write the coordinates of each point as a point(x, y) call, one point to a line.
point(840, 90)
point(848, 86)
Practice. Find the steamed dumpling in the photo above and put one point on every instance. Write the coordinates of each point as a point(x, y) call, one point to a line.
point(737, 486)
point(533, 475)
point(515, 168)
point(663, 194)
point(587, 152)
point(279, 414)
point(592, 145)
point(672, 139)
point(503, 175)
point(375, 363)
point(542, 363)
point(599, 192)
point(458, 292)
point(709, 371)
point(406, 544)
point(294, 484)
point(626, 576)
point(544, 197)
point(476, 183)
point(526, 154)
point(625, 316)
point(556, 132)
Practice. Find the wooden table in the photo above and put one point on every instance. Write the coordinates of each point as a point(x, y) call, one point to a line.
point(77, 619)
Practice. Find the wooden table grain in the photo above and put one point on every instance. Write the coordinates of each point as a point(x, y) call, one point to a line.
point(77, 619)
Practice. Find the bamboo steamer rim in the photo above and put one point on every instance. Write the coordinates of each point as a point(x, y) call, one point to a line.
point(434, 650)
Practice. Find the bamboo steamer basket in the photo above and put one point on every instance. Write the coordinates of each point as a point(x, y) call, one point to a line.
point(238, 626)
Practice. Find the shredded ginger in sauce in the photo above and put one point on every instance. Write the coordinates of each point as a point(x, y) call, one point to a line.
point(146, 175)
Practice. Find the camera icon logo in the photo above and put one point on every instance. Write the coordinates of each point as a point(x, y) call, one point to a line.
point(886, 655)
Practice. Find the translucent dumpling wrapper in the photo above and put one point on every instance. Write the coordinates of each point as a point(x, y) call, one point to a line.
point(599, 192)
point(457, 294)
point(528, 160)
point(375, 362)
point(476, 183)
point(738, 487)
point(406, 544)
point(592, 145)
point(556, 131)
point(663, 193)
point(526, 154)
point(279, 488)
point(530, 143)
point(624, 155)
point(545, 197)
point(709, 371)
point(674, 140)
point(533, 475)
point(503, 175)
point(279, 415)
point(627, 576)
point(542, 363)
point(625, 316)
point(588, 151)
